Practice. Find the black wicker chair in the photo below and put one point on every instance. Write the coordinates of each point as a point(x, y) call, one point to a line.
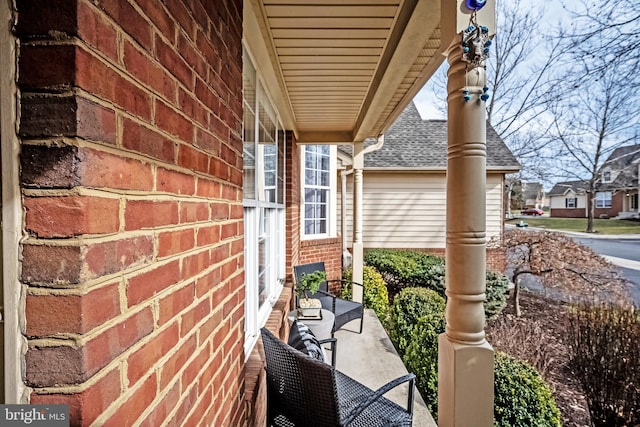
point(302, 391)
point(344, 310)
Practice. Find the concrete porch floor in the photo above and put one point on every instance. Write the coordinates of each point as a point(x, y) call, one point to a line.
point(371, 359)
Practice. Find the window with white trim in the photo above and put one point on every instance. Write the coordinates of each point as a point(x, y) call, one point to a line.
point(603, 199)
point(316, 190)
point(571, 202)
point(263, 201)
point(606, 176)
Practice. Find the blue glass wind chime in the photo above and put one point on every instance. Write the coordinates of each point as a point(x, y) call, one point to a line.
point(475, 47)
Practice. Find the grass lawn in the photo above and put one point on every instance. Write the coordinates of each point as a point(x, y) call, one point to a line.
point(602, 226)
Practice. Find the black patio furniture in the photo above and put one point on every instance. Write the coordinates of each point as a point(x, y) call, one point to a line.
point(344, 310)
point(302, 391)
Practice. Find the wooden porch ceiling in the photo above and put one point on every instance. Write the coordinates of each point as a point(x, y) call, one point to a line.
point(342, 70)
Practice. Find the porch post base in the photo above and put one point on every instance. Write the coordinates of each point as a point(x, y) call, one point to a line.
point(465, 384)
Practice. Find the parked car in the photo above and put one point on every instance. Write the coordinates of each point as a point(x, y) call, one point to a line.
point(532, 211)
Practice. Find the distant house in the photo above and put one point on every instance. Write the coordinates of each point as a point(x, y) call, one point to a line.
point(616, 189)
point(568, 199)
point(404, 195)
point(533, 195)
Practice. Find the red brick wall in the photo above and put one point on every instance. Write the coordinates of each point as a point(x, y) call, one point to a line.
point(614, 210)
point(132, 187)
point(568, 213)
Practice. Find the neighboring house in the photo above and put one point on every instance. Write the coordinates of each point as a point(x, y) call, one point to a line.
point(616, 189)
point(533, 195)
point(165, 164)
point(568, 199)
point(404, 196)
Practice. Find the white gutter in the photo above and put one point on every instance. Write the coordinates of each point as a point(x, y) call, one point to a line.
point(357, 245)
point(343, 212)
point(375, 147)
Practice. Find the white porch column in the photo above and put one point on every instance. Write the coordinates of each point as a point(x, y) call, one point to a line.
point(357, 245)
point(465, 358)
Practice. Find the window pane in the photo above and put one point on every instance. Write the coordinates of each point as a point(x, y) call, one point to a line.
point(317, 184)
point(263, 257)
point(263, 176)
point(324, 179)
point(248, 127)
point(281, 158)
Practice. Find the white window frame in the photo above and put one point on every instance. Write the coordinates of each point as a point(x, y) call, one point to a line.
point(603, 199)
point(606, 176)
point(331, 210)
point(11, 206)
point(571, 202)
point(264, 220)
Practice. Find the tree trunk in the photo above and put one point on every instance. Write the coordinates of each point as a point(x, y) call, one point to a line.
point(516, 295)
point(591, 201)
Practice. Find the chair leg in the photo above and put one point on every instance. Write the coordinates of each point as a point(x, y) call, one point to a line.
point(361, 323)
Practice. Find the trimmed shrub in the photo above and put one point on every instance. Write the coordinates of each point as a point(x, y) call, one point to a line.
point(401, 269)
point(376, 296)
point(408, 307)
point(522, 398)
point(604, 346)
point(421, 357)
point(497, 293)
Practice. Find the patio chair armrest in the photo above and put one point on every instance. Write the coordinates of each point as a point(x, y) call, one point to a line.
point(411, 378)
point(345, 281)
point(334, 346)
point(333, 299)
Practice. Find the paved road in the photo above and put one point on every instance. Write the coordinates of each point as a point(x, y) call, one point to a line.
point(625, 253)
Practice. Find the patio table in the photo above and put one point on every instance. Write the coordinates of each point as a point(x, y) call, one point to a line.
point(321, 328)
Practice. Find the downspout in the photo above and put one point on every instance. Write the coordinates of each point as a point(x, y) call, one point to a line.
point(375, 147)
point(347, 259)
point(358, 247)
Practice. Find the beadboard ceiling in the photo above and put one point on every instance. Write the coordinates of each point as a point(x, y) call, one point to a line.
point(342, 70)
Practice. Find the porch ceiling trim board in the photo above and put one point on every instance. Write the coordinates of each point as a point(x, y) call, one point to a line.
point(343, 72)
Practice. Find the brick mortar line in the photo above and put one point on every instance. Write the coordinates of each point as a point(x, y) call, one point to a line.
point(118, 150)
point(122, 71)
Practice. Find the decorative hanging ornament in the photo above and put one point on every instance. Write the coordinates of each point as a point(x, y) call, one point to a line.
point(476, 46)
point(475, 43)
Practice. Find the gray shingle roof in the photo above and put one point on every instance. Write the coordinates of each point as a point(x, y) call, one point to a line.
point(626, 161)
point(413, 143)
point(560, 188)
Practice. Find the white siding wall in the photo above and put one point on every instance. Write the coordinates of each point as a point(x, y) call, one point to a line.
point(558, 202)
point(408, 210)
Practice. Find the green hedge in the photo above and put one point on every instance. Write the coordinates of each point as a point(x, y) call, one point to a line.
point(522, 398)
point(408, 307)
point(497, 293)
point(376, 295)
point(421, 357)
point(403, 268)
